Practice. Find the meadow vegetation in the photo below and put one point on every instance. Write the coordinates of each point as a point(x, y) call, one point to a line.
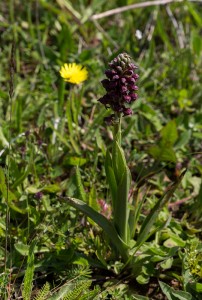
point(89, 209)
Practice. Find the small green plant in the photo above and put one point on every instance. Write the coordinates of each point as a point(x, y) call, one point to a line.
point(43, 293)
point(29, 273)
point(192, 268)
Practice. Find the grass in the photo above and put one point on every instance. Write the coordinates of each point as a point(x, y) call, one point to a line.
point(53, 143)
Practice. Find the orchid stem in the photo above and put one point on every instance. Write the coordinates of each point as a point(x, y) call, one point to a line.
point(117, 130)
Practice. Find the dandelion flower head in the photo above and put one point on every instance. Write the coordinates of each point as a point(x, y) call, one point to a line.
point(73, 73)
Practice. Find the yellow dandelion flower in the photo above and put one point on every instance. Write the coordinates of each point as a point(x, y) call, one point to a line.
point(73, 73)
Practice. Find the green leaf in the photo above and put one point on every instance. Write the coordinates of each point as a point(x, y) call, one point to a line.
point(163, 153)
point(167, 264)
point(63, 291)
point(169, 133)
point(99, 141)
point(195, 14)
point(3, 141)
point(180, 242)
point(92, 200)
point(111, 179)
point(135, 210)
point(164, 150)
point(172, 294)
point(162, 33)
point(151, 218)
point(79, 185)
point(22, 248)
point(196, 286)
point(183, 139)
point(52, 188)
point(142, 279)
point(196, 43)
point(32, 189)
point(103, 222)
point(151, 115)
point(118, 162)
point(8, 195)
point(42, 294)
point(74, 161)
point(22, 177)
point(121, 213)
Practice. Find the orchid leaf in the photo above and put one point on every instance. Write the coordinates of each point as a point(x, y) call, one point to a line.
point(103, 222)
point(122, 210)
point(118, 162)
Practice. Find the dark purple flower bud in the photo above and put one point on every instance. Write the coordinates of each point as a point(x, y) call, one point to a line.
point(27, 133)
point(124, 89)
point(115, 77)
point(133, 88)
point(111, 65)
point(113, 84)
point(127, 112)
point(117, 108)
point(132, 66)
point(133, 96)
point(119, 69)
point(129, 73)
point(105, 83)
point(38, 195)
point(127, 98)
point(23, 149)
point(130, 80)
point(123, 79)
point(114, 95)
point(135, 76)
point(110, 73)
point(39, 142)
point(109, 85)
point(104, 100)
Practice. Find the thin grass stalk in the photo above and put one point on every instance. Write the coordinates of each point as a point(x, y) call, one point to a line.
point(61, 96)
point(12, 68)
point(117, 130)
point(19, 115)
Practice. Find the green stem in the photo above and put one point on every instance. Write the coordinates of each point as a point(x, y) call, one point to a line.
point(117, 130)
point(61, 96)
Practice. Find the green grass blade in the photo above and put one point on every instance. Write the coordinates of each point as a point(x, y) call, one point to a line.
point(151, 218)
point(135, 212)
point(80, 187)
